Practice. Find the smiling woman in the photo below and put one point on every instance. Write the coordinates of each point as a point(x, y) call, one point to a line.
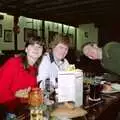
point(21, 71)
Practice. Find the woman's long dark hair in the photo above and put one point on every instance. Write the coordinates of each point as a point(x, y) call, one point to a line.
point(32, 40)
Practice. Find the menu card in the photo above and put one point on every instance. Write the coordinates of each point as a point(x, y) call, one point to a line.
point(70, 87)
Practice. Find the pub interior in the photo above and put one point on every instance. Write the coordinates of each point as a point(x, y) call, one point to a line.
point(83, 21)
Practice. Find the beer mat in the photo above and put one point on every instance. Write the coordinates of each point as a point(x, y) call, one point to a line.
point(63, 111)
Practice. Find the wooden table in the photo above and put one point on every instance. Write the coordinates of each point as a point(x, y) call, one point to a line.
point(106, 109)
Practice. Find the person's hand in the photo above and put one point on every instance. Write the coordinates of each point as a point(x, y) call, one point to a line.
point(107, 86)
point(23, 93)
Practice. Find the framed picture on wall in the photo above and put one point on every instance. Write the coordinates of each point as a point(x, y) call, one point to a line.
point(85, 34)
point(7, 35)
point(0, 30)
point(28, 32)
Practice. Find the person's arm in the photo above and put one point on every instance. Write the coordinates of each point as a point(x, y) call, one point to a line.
point(43, 69)
point(7, 74)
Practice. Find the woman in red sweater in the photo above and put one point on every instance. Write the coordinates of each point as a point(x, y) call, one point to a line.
point(19, 72)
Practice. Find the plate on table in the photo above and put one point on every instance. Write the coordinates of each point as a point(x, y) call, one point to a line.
point(63, 111)
point(115, 89)
point(116, 86)
point(109, 92)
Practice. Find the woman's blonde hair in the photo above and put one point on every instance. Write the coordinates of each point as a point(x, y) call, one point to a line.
point(60, 38)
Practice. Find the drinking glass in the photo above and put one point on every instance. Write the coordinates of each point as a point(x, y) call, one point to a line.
point(95, 88)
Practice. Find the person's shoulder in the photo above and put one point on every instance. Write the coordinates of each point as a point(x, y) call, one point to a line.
point(14, 59)
point(45, 57)
point(112, 44)
point(46, 54)
point(111, 48)
point(12, 63)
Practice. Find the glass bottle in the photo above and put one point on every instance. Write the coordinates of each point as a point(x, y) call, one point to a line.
point(47, 84)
